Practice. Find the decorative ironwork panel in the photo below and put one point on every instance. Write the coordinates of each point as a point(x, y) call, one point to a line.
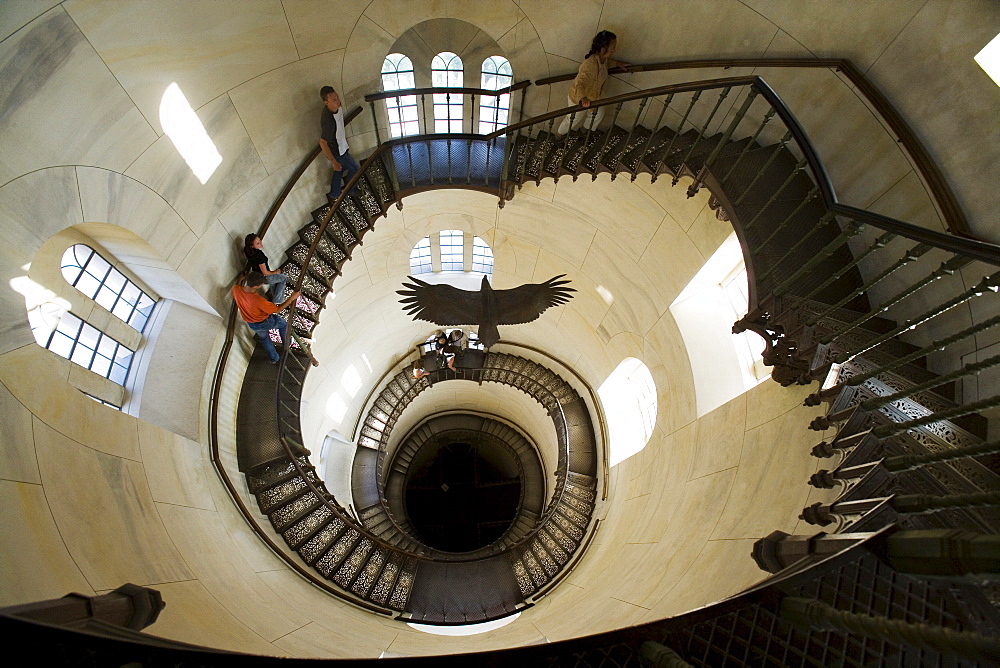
point(547, 562)
point(553, 548)
point(385, 581)
point(401, 592)
point(353, 564)
point(524, 582)
point(284, 516)
point(322, 540)
point(305, 526)
point(367, 578)
point(336, 554)
point(535, 569)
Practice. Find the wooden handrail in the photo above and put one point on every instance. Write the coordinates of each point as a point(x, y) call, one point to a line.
point(404, 92)
point(944, 197)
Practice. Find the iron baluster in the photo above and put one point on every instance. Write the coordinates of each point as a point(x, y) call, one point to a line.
point(409, 155)
point(604, 144)
point(779, 147)
point(853, 229)
point(837, 275)
point(988, 284)
point(910, 256)
point(726, 136)
point(826, 219)
point(903, 463)
point(701, 133)
point(810, 196)
point(886, 430)
point(423, 106)
point(649, 139)
point(621, 154)
point(799, 166)
point(750, 142)
point(378, 139)
point(680, 130)
point(939, 344)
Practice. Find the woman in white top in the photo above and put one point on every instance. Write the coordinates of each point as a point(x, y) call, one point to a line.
point(590, 79)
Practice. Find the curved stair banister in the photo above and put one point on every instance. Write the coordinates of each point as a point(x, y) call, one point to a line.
point(492, 374)
point(954, 217)
point(696, 149)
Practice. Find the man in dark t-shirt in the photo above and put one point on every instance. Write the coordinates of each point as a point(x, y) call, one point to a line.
point(333, 142)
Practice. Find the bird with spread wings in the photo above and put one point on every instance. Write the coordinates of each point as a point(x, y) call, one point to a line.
point(486, 308)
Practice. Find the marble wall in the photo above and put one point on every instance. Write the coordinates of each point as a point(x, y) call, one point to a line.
point(83, 144)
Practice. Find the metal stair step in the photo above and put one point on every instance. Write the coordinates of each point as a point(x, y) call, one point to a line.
point(335, 555)
point(286, 515)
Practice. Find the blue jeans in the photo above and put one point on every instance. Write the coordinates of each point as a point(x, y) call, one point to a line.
point(350, 168)
point(273, 321)
point(277, 283)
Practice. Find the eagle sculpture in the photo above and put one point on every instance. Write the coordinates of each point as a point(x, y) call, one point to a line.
point(449, 306)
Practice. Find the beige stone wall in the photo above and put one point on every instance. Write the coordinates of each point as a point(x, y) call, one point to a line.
point(94, 498)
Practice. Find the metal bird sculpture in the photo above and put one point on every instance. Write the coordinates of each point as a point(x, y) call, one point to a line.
point(449, 306)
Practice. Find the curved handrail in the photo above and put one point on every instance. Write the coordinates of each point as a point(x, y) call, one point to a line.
point(944, 197)
point(980, 250)
point(562, 460)
point(357, 525)
point(404, 92)
point(213, 415)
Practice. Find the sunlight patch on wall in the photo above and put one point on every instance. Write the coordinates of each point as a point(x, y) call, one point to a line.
point(187, 133)
point(989, 59)
point(351, 380)
point(336, 408)
point(44, 308)
point(628, 396)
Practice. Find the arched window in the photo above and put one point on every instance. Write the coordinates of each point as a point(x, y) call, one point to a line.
point(496, 74)
point(87, 271)
point(446, 71)
point(451, 253)
point(420, 257)
point(482, 257)
point(452, 250)
point(397, 74)
point(629, 399)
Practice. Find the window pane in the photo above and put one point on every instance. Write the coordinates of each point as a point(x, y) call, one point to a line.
point(69, 325)
point(102, 283)
point(118, 374)
point(61, 344)
point(123, 310)
point(89, 336)
point(409, 113)
point(98, 267)
point(82, 355)
point(115, 280)
point(88, 285)
point(101, 365)
point(131, 293)
point(106, 297)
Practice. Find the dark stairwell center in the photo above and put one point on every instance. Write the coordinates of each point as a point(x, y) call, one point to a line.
point(462, 493)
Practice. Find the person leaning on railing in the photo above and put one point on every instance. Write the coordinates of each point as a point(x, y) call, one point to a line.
point(589, 82)
point(259, 313)
point(253, 248)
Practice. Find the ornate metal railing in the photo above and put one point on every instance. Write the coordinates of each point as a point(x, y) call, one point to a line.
point(944, 197)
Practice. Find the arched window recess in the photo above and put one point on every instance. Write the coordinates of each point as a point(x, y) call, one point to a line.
point(446, 257)
point(447, 72)
point(397, 74)
point(493, 111)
